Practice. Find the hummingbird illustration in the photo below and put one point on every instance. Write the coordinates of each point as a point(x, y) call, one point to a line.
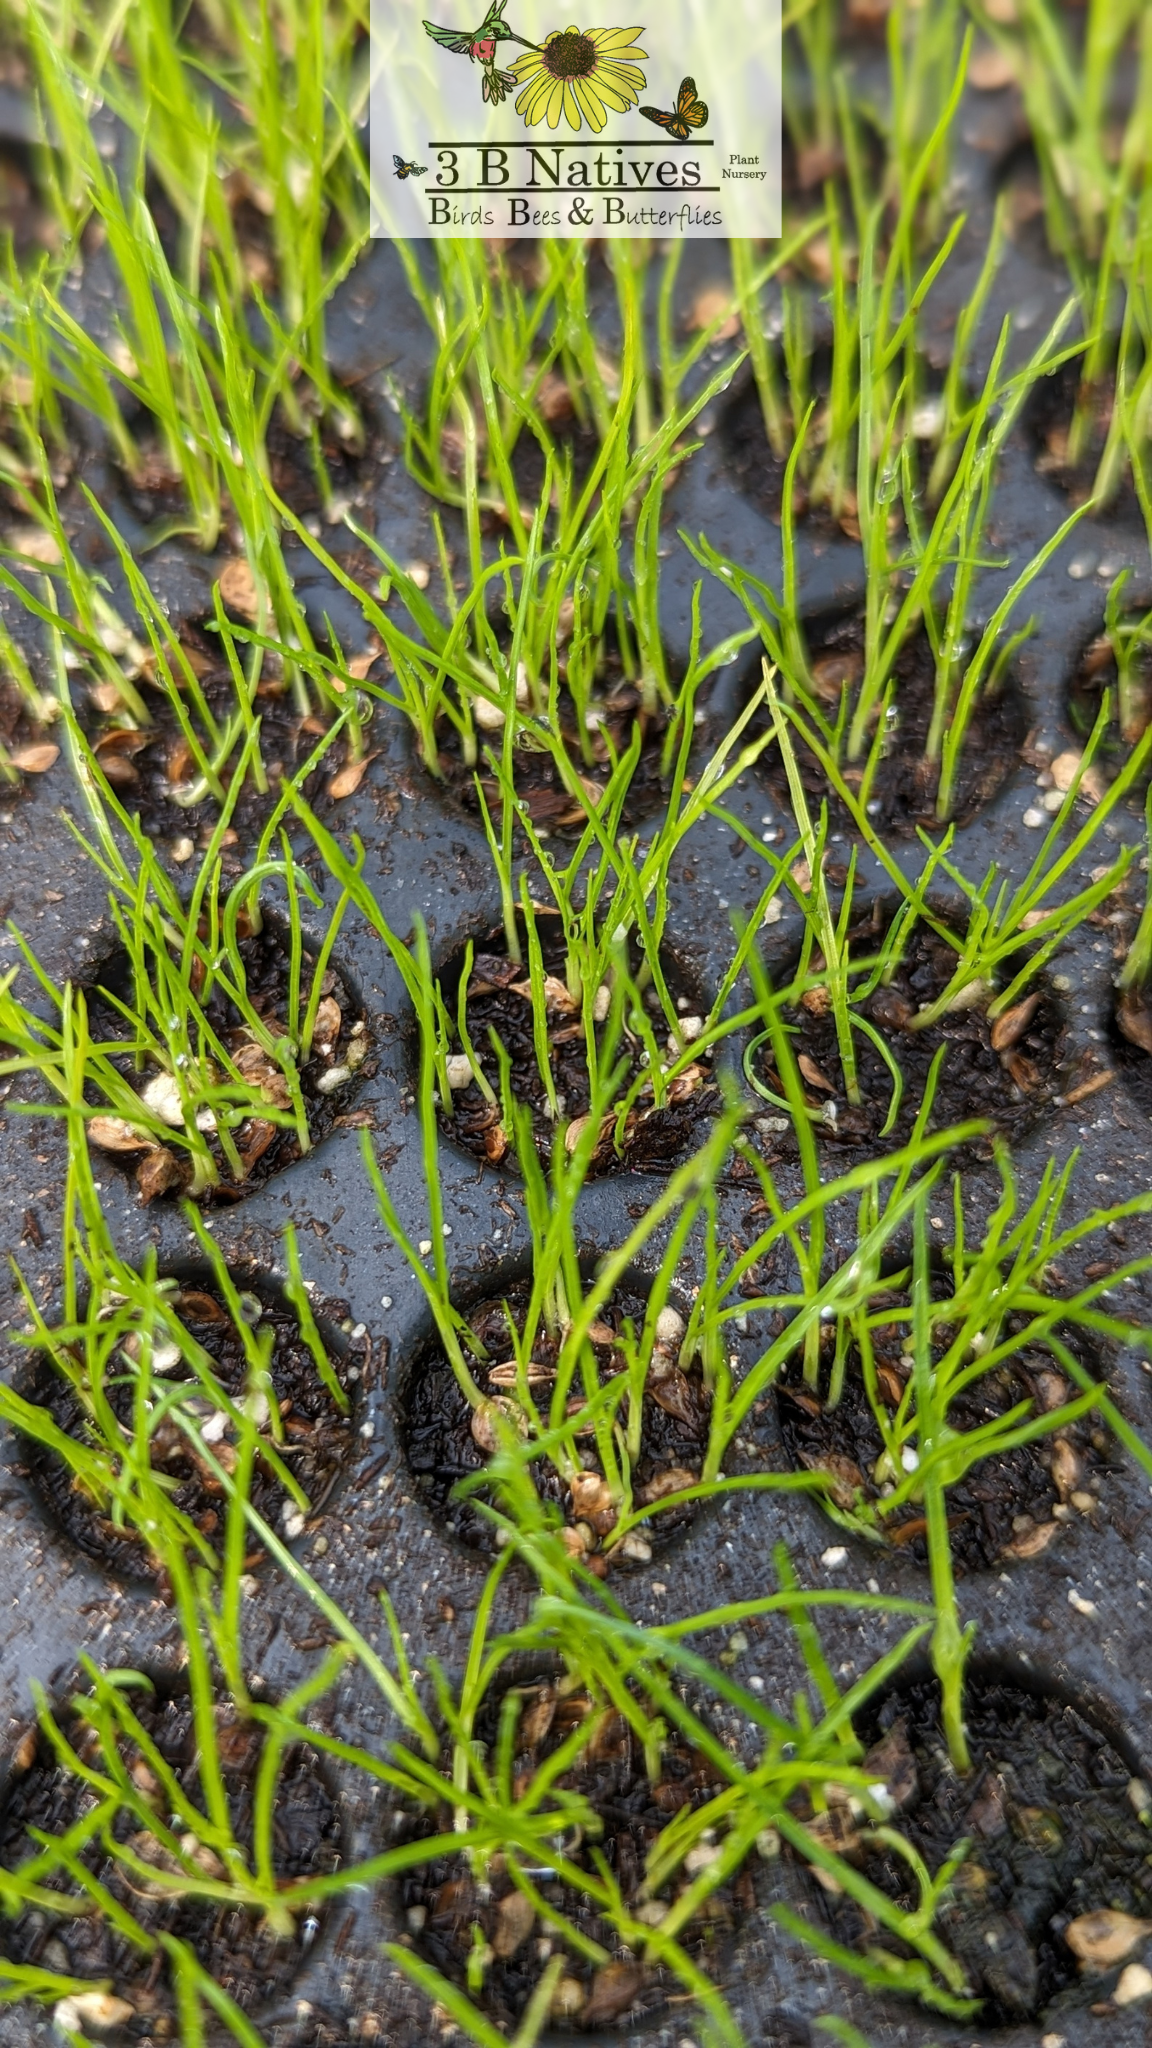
point(480, 46)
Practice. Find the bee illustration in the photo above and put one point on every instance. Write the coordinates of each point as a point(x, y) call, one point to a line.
point(404, 170)
point(690, 112)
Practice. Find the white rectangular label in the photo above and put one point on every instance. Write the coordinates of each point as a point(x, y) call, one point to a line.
point(515, 122)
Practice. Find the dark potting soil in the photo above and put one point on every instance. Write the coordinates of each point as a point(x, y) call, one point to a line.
point(265, 1147)
point(441, 1447)
point(233, 1945)
point(1010, 1506)
point(617, 710)
point(574, 438)
point(150, 484)
point(756, 470)
point(1130, 1051)
point(1048, 419)
point(576, 442)
point(905, 785)
point(151, 768)
point(1006, 1069)
point(311, 465)
point(809, 162)
point(346, 459)
point(653, 1139)
point(23, 212)
point(32, 748)
point(1096, 674)
point(1054, 1836)
point(319, 1439)
point(1020, 184)
point(449, 1907)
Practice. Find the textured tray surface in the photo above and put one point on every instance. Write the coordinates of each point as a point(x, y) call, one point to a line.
point(425, 855)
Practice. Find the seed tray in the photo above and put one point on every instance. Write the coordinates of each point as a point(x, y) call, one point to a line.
point(1075, 1621)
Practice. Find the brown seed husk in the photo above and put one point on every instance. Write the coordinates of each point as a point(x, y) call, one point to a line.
point(238, 588)
point(1134, 1016)
point(515, 1919)
point(1104, 1938)
point(614, 1989)
point(1010, 1027)
point(113, 1134)
point(158, 1173)
point(347, 780)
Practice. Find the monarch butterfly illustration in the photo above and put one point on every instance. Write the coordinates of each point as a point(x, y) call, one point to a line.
point(690, 112)
point(404, 170)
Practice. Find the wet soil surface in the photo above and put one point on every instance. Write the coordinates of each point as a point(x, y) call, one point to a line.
point(339, 1049)
point(31, 748)
point(1005, 1069)
point(905, 784)
point(1098, 673)
point(1010, 1506)
point(576, 441)
point(441, 1444)
point(573, 437)
point(613, 714)
point(23, 212)
point(448, 1908)
point(314, 463)
point(232, 1944)
point(322, 467)
point(807, 165)
point(758, 472)
point(319, 1439)
point(500, 1000)
point(1054, 1836)
point(1049, 418)
point(1131, 1043)
point(153, 772)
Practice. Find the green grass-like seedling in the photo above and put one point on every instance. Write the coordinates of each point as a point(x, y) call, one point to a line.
point(925, 585)
point(552, 456)
point(200, 1081)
